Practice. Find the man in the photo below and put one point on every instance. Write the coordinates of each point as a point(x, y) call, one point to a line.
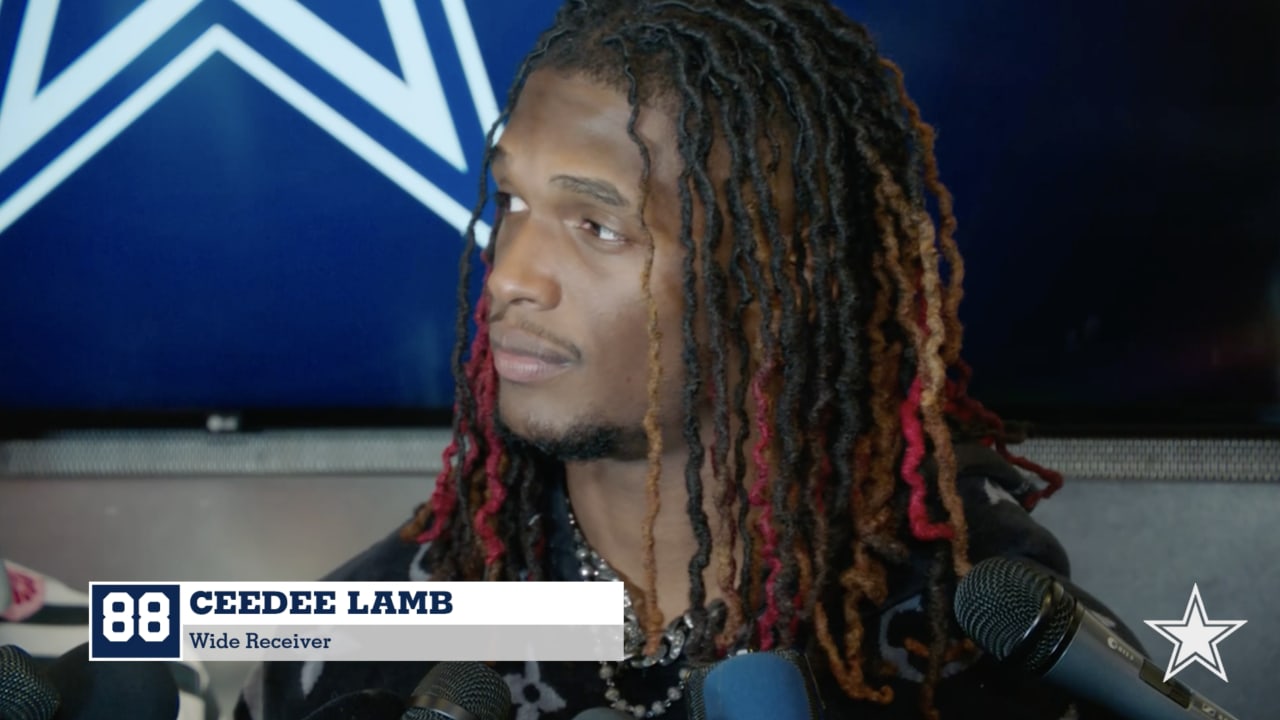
point(717, 355)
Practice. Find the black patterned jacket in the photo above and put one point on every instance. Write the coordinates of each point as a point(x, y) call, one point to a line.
point(998, 525)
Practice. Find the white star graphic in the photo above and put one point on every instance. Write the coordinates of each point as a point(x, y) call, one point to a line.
point(1195, 638)
point(416, 102)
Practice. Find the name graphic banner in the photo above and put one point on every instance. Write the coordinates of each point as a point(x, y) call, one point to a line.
point(353, 621)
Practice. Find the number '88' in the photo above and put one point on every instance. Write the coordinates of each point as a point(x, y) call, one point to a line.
point(151, 613)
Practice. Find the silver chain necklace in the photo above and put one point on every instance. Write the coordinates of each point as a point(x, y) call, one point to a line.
point(594, 568)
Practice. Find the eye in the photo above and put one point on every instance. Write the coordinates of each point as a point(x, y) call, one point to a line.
point(511, 203)
point(603, 232)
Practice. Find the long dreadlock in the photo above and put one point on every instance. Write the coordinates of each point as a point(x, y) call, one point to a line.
point(850, 378)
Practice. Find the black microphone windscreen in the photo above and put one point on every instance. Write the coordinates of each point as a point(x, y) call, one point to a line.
point(112, 690)
point(1000, 601)
point(363, 705)
point(460, 691)
point(693, 685)
point(1024, 615)
point(25, 694)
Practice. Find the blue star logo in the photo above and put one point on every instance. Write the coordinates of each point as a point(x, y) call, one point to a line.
point(414, 100)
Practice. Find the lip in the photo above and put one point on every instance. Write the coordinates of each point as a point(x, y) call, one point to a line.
point(524, 358)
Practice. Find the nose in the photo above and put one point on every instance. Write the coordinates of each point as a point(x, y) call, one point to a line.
point(523, 271)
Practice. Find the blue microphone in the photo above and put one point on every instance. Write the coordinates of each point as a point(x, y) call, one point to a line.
point(755, 686)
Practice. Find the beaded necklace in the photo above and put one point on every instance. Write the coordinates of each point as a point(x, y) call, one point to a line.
point(594, 568)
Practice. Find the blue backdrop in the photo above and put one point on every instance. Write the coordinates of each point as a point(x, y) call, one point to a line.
point(256, 205)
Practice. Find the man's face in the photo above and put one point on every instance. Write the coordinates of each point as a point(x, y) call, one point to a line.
point(568, 316)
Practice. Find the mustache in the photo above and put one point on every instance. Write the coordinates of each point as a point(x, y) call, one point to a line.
point(543, 334)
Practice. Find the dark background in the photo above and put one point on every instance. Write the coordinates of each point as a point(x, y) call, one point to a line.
point(1113, 166)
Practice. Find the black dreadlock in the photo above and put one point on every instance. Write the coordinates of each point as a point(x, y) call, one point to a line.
point(843, 380)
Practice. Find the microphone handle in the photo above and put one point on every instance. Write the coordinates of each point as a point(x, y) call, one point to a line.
point(1099, 666)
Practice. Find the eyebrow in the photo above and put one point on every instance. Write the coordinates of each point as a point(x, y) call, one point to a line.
point(600, 190)
point(593, 188)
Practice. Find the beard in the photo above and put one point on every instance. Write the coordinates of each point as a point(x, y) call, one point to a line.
point(582, 440)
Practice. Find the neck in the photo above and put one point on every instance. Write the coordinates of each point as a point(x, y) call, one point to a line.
point(610, 500)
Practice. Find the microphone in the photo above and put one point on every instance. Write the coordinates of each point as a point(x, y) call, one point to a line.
point(363, 705)
point(112, 690)
point(460, 691)
point(603, 713)
point(775, 685)
point(1023, 616)
point(25, 694)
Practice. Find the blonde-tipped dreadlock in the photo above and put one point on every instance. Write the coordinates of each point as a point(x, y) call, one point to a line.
point(824, 411)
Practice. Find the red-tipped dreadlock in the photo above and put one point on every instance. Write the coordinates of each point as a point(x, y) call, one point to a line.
point(857, 373)
point(769, 551)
